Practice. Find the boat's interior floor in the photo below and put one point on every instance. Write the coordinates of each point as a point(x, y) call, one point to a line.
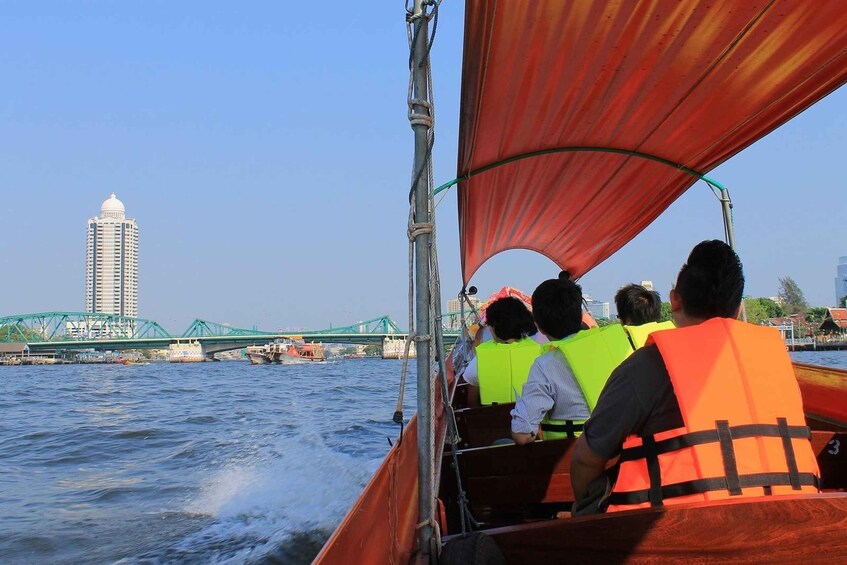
point(508, 485)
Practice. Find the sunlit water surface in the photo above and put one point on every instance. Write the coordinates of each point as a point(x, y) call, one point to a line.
point(205, 463)
point(199, 463)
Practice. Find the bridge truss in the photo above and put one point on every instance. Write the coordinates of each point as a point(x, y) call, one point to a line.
point(204, 328)
point(69, 326)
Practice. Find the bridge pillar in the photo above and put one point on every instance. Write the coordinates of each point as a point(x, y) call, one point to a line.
point(186, 351)
point(395, 349)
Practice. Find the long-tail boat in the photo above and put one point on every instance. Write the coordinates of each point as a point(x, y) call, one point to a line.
point(580, 123)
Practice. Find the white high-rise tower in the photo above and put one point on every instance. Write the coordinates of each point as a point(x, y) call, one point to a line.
point(112, 263)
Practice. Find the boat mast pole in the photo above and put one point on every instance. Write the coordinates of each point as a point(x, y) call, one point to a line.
point(420, 109)
point(729, 229)
point(726, 208)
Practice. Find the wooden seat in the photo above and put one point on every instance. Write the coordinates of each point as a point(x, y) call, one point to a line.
point(518, 474)
point(482, 425)
point(831, 451)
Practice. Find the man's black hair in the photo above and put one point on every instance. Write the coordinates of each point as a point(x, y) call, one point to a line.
point(636, 305)
point(510, 319)
point(711, 283)
point(557, 306)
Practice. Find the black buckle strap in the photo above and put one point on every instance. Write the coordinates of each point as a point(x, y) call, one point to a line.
point(700, 486)
point(711, 436)
point(569, 427)
point(730, 465)
point(790, 457)
point(654, 471)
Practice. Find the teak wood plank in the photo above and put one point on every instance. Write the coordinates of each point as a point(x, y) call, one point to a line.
point(766, 530)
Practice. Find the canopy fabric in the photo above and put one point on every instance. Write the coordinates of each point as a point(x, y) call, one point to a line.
point(692, 82)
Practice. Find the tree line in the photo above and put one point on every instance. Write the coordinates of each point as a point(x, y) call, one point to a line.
point(790, 302)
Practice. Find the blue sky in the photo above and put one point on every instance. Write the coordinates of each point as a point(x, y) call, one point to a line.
point(264, 150)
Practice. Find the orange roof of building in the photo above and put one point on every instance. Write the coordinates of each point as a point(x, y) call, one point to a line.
point(837, 315)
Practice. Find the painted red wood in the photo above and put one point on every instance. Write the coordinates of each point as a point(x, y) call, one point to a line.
point(810, 529)
point(824, 393)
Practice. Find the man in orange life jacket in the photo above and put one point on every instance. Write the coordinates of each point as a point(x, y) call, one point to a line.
point(716, 398)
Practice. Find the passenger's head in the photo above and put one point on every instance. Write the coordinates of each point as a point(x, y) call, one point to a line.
point(709, 285)
point(636, 305)
point(557, 307)
point(509, 319)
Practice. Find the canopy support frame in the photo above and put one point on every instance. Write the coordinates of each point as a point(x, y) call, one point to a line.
point(582, 149)
point(726, 202)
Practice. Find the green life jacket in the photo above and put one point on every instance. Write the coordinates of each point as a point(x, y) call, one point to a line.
point(503, 368)
point(592, 356)
point(639, 334)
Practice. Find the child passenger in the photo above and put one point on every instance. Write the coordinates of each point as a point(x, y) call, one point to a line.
point(551, 391)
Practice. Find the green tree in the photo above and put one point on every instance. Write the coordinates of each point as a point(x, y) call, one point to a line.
point(841, 301)
point(760, 309)
point(791, 296)
point(17, 334)
point(665, 314)
point(756, 313)
point(816, 315)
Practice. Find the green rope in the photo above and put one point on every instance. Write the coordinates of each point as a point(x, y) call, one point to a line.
point(627, 152)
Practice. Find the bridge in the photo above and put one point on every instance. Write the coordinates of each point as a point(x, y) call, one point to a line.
point(68, 331)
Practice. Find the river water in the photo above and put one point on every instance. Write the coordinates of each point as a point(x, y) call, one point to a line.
point(204, 463)
point(197, 463)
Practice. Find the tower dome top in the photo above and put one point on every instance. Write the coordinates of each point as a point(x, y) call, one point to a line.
point(113, 208)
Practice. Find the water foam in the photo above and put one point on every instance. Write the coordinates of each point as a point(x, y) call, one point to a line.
point(281, 506)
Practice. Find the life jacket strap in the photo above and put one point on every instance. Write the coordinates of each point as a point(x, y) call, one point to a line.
point(790, 457)
point(711, 436)
point(569, 427)
point(699, 486)
point(654, 471)
point(724, 434)
point(730, 465)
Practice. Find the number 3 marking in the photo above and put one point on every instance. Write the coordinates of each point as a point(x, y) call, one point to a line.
point(836, 447)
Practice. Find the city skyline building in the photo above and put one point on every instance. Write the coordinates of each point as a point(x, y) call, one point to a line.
point(840, 281)
point(112, 261)
point(455, 305)
point(596, 308)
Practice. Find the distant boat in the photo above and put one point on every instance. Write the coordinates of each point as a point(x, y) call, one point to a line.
point(286, 352)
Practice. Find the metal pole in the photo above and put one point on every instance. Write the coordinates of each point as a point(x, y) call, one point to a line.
point(462, 316)
point(422, 298)
point(726, 209)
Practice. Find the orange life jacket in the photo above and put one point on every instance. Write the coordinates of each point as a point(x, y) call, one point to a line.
point(745, 433)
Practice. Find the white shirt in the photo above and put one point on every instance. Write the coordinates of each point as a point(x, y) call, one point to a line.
point(551, 387)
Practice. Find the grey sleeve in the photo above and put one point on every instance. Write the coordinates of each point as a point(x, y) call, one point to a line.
point(617, 414)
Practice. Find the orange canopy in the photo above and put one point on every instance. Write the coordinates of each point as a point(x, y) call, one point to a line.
point(690, 82)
